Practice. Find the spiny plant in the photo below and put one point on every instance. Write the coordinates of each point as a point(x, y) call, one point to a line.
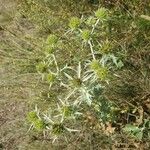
point(78, 82)
point(80, 70)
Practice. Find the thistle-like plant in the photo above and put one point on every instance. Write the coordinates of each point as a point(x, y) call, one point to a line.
point(77, 82)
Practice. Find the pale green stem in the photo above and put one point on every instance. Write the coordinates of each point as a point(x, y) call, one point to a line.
point(92, 51)
point(70, 94)
point(56, 63)
point(95, 26)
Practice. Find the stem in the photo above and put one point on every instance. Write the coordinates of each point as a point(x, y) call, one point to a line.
point(68, 96)
point(91, 47)
point(95, 26)
point(56, 63)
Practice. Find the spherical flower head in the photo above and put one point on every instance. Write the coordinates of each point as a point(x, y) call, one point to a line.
point(94, 65)
point(52, 40)
point(74, 22)
point(67, 111)
point(39, 124)
point(49, 49)
point(58, 128)
point(102, 13)
point(41, 67)
point(102, 73)
point(106, 47)
point(32, 116)
point(86, 35)
point(76, 82)
point(50, 77)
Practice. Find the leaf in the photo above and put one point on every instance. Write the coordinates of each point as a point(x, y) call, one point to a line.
point(120, 64)
point(134, 131)
point(114, 59)
point(86, 96)
point(131, 128)
point(139, 135)
point(145, 17)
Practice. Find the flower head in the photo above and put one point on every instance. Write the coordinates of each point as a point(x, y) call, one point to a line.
point(32, 116)
point(102, 14)
point(39, 124)
point(86, 35)
point(74, 22)
point(58, 128)
point(68, 111)
point(94, 65)
point(49, 49)
point(100, 71)
point(50, 77)
point(52, 40)
point(76, 82)
point(106, 47)
point(41, 67)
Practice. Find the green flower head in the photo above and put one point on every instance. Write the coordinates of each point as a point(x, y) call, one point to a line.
point(58, 128)
point(102, 73)
point(102, 13)
point(32, 116)
point(52, 40)
point(74, 22)
point(49, 49)
point(86, 35)
point(106, 47)
point(50, 77)
point(67, 111)
point(94, 65)
point(39, 124)
point(41, 67)
point(75, 82)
